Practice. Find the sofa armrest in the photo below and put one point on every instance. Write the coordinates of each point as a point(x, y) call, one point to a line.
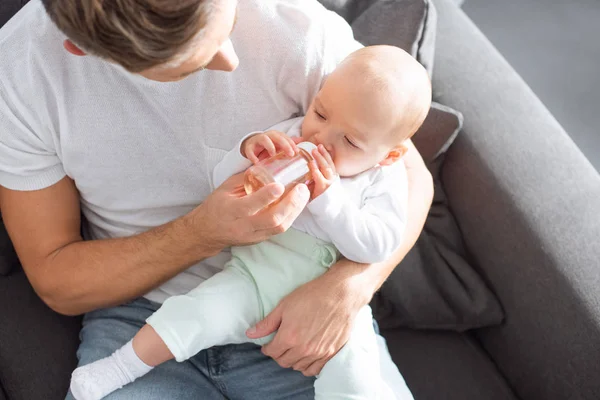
point(528, 204)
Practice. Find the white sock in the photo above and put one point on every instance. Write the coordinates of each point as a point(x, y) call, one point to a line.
point(98, 379)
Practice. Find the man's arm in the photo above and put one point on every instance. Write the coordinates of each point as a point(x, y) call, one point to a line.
point(74, 276)
point(315, 320)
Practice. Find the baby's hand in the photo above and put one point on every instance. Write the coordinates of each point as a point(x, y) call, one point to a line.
point(323, 171)
point(272, 142)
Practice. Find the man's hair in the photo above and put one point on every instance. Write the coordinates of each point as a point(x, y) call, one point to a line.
point(137, 34)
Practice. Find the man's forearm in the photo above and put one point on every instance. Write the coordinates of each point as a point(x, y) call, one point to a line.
point(86, 275)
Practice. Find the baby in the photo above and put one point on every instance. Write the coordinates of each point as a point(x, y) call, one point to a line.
point(368, 107)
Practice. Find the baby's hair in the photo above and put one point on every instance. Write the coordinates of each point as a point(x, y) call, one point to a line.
point(398, 77)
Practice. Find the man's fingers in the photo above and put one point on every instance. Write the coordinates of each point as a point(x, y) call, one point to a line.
point(254, 202)
point(267, 325)
point(303, 363)
point(290, 358)
point(315, 368)
point(280, 216)
point(275, 349)
point(233, 183)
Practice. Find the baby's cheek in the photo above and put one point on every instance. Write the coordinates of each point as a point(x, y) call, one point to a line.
point(343, 168)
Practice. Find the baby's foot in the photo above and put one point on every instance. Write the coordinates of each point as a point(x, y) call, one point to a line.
point(102, 377)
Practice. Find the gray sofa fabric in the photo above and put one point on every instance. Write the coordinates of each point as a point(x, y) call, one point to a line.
point(408, 24)
point(8, 257)
point(8, 8)
point(435, 287)
point(37, 346)
point(528, 204)
point(438, 132)
point(446, 366)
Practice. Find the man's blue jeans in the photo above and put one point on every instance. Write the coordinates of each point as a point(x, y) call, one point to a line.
point(224, 372)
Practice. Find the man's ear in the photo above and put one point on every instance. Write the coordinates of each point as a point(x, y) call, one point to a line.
point(394, 155)
point(73, 49)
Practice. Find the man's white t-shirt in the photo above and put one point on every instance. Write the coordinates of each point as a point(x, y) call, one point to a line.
point(140, 152)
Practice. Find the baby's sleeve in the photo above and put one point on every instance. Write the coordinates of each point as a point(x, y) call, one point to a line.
point(371, 232)
point(232, 163)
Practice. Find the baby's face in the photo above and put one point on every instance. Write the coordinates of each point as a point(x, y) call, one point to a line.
point(353, 125)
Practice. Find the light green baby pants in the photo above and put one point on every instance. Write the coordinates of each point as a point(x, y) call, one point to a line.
point(219, 311)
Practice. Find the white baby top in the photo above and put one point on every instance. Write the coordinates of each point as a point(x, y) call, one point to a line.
point(364, 216)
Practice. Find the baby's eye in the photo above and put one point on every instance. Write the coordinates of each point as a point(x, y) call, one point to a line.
point(350, 142)
point(321, 116)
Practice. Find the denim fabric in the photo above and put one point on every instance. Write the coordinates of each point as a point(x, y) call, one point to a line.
point(233, 372)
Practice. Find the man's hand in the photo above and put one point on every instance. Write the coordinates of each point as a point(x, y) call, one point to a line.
point(315, 320)
point(271, 142)
point(312, 323)
point(323, 171)
point(229, 217)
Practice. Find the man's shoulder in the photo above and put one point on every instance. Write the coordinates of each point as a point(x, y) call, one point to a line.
point(287, 9)
point(33, 42)
point(294, 23)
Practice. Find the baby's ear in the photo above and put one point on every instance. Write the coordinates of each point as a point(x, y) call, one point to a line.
point(394, 155)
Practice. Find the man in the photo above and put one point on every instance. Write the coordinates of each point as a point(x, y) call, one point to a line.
point(121, 137)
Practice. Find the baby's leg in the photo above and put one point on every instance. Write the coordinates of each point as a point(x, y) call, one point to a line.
point(216, 312)
point(354, 373)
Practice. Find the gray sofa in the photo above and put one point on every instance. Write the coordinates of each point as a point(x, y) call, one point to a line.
point(528, 206)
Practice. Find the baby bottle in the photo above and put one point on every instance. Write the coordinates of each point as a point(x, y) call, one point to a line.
point(289, 171)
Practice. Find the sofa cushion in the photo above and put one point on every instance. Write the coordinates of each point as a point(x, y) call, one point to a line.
point(438, 132)
point(349, 9)
point(8, 8)
point(408, 24)
point(435, 286)
point(37, 346)
point(8, 258)
point(446, 365)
